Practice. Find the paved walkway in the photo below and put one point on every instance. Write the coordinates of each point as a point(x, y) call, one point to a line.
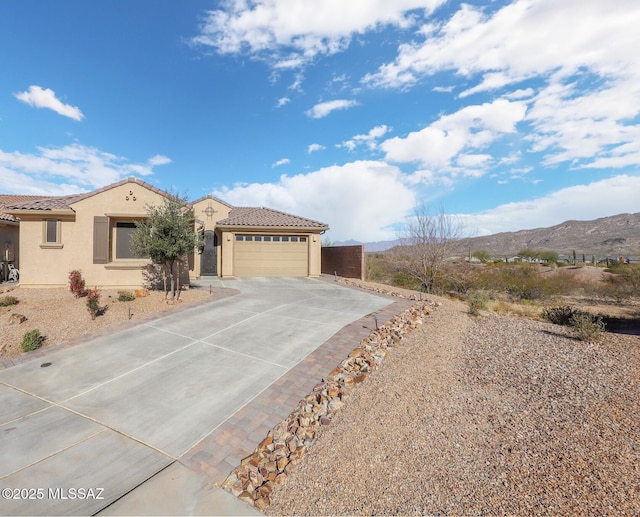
point(166, 420)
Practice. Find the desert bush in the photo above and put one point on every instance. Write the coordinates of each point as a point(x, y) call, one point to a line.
point(93, 302)
point(126, 296)
point(377, 268)
point(76, 283)
point(561, 315)
point(405, 281)
point(32, 340)
point(587, 327)
point(6, 301)
point(478, 301)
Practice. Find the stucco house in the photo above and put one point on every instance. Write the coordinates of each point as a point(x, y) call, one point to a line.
point(90, 232)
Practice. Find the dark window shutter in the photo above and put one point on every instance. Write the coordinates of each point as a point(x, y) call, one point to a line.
point(100, 239)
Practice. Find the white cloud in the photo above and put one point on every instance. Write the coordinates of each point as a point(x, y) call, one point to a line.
point(315, 147)
point(290, 33)
point(377, 193)
point(521, 40)
point(283, 101)
point(283, 161)
point(46, 98)
point(606, 197)
point(158, 159)
point(471, 128)
point(584, 84)
point(368, 139)
point(325, 108)
point(67, 170)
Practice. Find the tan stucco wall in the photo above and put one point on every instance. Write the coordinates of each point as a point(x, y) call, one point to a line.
point(315, 254)
point(50, 266)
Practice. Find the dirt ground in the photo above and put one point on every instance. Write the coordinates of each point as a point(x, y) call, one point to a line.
point(586, 275)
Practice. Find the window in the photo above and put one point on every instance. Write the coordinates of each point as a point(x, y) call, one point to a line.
point(123, 231)
point(238, 237)
point(51, 231)
point(51, 234)
point(258, 238)
point(248, 238)
point(303, 239)
point(285, 239)
point(294, 239)
point(267, 238)
point(276, 238)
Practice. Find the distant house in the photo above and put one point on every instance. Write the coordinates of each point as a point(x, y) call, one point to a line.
point(91, 231)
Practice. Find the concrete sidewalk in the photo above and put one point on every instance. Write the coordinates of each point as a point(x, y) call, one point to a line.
point(157, 415)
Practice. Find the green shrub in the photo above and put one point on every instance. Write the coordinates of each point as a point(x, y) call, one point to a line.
point(587, 327)
point(561, 315)
point(93, 302)
point(405, 281)
point(126, 296)
point(478, 301)
point(5, 301)
point(32, 340)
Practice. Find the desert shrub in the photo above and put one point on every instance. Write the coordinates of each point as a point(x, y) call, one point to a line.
point(32, 340)
point(126, 296)
point(405, 281)
point(93, 302)
point(76, 283)
point(587, 327)
point(560, 315)
point(519, 281)
point(6, 301)
point(478, 301)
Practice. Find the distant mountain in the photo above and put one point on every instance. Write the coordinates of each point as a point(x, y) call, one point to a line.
point(614, 235)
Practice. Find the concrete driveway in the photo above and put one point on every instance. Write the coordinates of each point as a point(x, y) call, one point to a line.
point(107, 415)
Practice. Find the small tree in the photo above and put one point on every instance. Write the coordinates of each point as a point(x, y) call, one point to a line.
point(165, 237)
point(426, 243)
point(482, 255)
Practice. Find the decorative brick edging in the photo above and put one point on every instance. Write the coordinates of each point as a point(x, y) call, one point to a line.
point(287, 443)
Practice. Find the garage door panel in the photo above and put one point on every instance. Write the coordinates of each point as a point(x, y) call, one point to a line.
point(260, 258)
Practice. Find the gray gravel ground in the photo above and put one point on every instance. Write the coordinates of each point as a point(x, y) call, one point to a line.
point(487, 416)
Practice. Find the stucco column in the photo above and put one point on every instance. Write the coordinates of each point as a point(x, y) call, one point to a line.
point(226, 266)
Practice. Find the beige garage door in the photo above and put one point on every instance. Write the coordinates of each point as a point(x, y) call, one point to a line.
point(271, 255)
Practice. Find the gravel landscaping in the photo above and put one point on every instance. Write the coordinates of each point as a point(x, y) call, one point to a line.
point(61, 317)
point(487, 416)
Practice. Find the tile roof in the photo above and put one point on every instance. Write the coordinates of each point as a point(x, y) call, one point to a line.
point(238, 216)
point(213, 198)
point(10, 199)
point(267, 217)
point(64, 202)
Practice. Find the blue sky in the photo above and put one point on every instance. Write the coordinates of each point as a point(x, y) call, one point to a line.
point(511, 115)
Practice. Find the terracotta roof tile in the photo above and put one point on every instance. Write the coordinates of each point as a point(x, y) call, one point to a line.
point(267, 217)
point(62, 202)
point(9, 199)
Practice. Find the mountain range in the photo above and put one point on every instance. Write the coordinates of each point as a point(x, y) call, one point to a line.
point(611, 236)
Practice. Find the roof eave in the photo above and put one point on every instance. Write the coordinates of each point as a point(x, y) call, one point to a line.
point(34, 211)
point(302, 229)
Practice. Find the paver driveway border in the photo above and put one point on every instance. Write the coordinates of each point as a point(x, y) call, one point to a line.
point(210, 460)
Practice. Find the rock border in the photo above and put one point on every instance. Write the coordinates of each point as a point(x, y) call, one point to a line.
point(288, 442)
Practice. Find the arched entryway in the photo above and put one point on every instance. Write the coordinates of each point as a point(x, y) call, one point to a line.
point(209, 259)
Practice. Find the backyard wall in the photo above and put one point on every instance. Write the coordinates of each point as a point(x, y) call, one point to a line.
point(344, 261)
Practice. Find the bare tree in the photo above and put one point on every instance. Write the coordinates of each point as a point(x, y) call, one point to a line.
point(427, 241)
